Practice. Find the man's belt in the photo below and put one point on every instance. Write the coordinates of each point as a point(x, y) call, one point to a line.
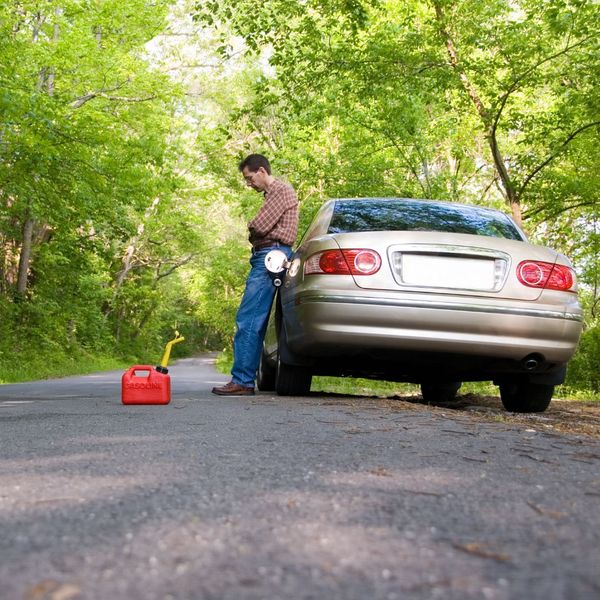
point(265, 244)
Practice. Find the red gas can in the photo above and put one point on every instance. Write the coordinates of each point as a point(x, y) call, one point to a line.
point(143, 384)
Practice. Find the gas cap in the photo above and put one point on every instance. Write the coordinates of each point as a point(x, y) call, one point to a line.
point(276, 261)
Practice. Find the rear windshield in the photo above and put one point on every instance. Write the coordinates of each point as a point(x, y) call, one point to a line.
point(418, 215)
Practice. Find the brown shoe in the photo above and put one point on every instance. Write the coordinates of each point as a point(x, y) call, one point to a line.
point(233, 389)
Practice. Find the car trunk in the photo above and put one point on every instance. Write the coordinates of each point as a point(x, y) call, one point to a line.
point(447, 263)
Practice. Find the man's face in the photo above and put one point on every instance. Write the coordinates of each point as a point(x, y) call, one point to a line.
point(257, 180)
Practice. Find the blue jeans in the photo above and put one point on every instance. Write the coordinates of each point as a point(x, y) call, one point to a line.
point(252, 318)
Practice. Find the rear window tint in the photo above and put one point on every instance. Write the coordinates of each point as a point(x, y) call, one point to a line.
point(415, 215)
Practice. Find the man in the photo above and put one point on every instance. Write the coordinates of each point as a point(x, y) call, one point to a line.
point(275, 226)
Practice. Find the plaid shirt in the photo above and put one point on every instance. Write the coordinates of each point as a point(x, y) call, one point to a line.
point(277, 219)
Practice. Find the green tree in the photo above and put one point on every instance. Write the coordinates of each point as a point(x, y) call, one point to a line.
point(92, 176)
point(492, 103)
point(456, 90)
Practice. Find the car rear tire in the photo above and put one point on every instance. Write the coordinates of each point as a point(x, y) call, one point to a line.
point(292, 380)
point(524, 397)
point(265, 378)
point(440, 392)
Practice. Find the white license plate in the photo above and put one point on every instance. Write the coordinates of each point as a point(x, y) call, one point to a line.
point(448, 271)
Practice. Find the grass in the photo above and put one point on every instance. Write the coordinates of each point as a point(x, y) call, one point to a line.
point(224, 361)
point(371, 387)
point(60, 365)
point(56, 365)
point(564, 392)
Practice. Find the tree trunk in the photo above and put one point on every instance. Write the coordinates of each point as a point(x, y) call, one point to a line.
point(51, 70)
point(8, 265)
point(517, 213)
point(45, 80)
point(127, 261)
point(507, 185)
point(25, 256)
point(508, 188)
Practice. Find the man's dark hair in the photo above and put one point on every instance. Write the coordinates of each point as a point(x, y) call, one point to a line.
point(254, 162)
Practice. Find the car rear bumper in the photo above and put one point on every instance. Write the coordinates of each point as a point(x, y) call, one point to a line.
point(318, 323)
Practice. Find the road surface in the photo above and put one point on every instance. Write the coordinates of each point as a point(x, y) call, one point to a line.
point(322, 497)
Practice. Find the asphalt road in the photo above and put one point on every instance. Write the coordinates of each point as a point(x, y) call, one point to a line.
point(285, 498)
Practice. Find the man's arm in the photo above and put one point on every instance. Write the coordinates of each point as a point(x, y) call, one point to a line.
point(271, 211)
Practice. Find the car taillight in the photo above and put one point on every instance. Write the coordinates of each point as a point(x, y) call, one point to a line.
point(356, 261)
point(537, 274)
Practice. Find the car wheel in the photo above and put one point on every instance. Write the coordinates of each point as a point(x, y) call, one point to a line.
point(292, 380)
point(265, 378)
point(523, 396)
point(440, 392)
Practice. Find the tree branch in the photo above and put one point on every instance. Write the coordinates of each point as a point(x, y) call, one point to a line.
point(456, 66)
point(554, 155)
point(530, 213)
point(394, 143)
point(174, 267)
point(104, 93)
point(515, 84)
point(81, 101)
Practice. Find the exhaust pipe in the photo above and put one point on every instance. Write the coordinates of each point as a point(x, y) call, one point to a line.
point(532, 362)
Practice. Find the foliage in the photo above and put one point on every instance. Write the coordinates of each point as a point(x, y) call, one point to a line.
point(407, 95)
point(584, 370)
point(46, 366)
point(94, 216)
point(491, 103)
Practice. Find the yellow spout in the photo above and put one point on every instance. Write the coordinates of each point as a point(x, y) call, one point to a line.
point(165, 359)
